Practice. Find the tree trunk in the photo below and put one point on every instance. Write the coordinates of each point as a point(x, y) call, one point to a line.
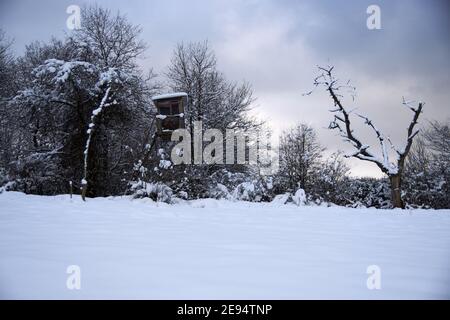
point(396, 196)
point(98, 162)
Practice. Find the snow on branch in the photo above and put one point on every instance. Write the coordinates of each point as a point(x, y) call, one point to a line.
point(90, 132)
point(409, 105)
point(107, 78)
point(62, 70)
point(341, 122)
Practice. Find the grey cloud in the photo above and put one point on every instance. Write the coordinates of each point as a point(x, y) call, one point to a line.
point(275, 45)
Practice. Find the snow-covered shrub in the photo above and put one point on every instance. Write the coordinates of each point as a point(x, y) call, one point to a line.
point(246, 191)
point(3, 177)
point(280, 199)
point(222, 182)
point(10, 186)
point(427, 187)
point(228, 178)
point(155, 191)
point(189, 181)
point(426, 182)
point(185, 181)
point(364, 192)
point(299, 198)
point(219, 191)
point(39, 173)
point(254, 191)
point(183, 195)
point(241, 185)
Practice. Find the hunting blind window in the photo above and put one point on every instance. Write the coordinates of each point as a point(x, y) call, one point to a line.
point(170, 113)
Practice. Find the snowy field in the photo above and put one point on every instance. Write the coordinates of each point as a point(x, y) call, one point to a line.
point(208, 249)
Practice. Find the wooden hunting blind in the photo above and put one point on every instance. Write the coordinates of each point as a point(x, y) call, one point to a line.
point(170, 113)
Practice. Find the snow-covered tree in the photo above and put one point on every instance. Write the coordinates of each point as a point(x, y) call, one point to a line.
point(427, 169)
point(342, 123)
point(85, 104)
point(7, 88)
point(300, 156)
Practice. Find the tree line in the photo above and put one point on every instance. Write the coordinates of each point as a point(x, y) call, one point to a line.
point(76, 116)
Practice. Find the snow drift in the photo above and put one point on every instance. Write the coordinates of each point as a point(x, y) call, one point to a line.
point(208, 249)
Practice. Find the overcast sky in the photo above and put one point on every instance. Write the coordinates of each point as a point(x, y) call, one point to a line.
point(275, 45)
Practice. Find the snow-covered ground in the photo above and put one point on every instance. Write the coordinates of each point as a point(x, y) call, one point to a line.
point(209, 249)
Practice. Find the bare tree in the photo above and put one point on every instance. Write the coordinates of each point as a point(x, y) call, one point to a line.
point(6, 92)
point(427, 169)
point(212, 99)
point(6, 61)
point(341, 122)
point(331, 178)
point(108, 38)
point(300, 154)
point(438, 138)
